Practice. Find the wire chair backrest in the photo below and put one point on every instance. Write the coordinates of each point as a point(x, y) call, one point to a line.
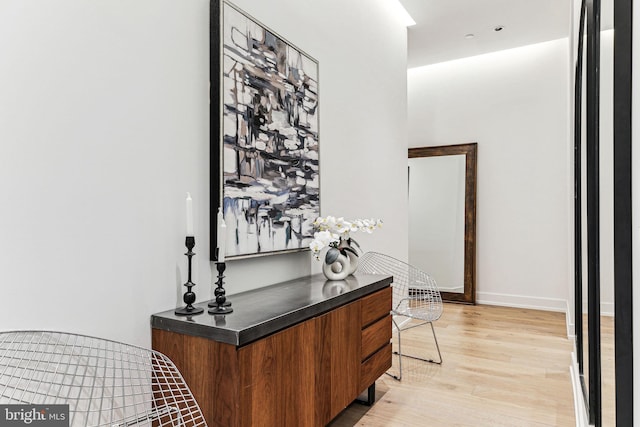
point(105, 383)
point(415, 293)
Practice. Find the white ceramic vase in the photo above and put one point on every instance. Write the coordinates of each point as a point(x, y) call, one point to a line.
point(337, 270)
point(354, 262)
point(344, 266)
point(353, 259)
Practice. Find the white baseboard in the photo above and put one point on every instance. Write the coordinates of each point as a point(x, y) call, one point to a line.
point(571, 326)
point(607, 309)
point(519, 301)
point(578, 397)
point(453, 288)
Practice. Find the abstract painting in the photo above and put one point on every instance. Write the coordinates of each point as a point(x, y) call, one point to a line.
point(268, 139)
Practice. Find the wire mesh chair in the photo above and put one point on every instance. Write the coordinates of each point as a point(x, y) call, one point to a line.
point(105, 383)
point(415, 296)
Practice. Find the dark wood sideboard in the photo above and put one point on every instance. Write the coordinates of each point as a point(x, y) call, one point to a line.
point(293, 354)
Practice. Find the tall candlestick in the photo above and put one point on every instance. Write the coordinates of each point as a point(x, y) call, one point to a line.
point(189, 215)
point(189, 297)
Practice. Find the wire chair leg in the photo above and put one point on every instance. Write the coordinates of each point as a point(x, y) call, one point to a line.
point(439, 362)
point(399, 353)
point(437, 345)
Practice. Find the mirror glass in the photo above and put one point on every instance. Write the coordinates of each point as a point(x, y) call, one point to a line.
point(583, 213)
point(436, 219)
point(442, 217)
point(595, 267)
point(607, 345)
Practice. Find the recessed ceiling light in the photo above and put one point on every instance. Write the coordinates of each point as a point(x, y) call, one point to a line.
point(469, 36)
point(499, 28)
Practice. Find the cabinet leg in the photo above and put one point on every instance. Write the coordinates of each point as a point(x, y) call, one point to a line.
point(371, 396)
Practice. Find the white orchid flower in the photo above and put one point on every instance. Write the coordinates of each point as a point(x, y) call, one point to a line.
point(325, 237)
point(331, 231)
point(320, 224)
point(342, 227)
point(316, 246)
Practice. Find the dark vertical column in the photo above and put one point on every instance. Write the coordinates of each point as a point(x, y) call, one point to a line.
point(577, 193)
point(593, 207)
point(215, 134)
point(622, 231)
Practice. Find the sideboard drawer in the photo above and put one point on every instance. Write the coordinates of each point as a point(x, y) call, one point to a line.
point(375, 306)
point(376, 336)
point(375, 366)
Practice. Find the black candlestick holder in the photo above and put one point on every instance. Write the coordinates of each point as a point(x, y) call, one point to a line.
point(189, 297)
point(220, 306)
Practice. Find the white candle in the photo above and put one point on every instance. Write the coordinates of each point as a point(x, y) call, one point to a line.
point(221, 236)
point(222, 240)
point(220, 218)
point(189, 215)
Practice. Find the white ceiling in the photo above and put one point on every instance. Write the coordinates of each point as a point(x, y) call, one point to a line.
point(441, 26)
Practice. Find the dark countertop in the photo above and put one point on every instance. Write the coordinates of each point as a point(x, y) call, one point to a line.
point(263, 311)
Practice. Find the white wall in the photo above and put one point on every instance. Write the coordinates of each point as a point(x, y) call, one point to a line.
point(513, 103)
point(104, 128)
point(606, 174)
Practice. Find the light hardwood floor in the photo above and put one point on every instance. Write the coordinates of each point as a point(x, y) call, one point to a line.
point(607, 350)
point(502, 367)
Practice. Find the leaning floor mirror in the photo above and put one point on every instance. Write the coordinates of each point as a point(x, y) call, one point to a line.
point(442, 217)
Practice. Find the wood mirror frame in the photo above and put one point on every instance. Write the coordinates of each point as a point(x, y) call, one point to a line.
point(470, 151)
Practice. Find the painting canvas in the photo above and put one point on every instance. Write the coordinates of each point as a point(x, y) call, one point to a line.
point(269, 139)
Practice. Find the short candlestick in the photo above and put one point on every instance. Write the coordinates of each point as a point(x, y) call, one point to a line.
point(214, 303)
point(219, 306)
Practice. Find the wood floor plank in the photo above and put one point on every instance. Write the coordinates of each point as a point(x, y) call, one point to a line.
point(502, 367)
point(607, 349)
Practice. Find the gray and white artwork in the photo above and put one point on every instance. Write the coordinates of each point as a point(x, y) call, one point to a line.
point(270, 131)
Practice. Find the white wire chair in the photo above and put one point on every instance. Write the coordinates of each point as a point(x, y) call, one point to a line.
point(415, 296)
point(105, 383)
